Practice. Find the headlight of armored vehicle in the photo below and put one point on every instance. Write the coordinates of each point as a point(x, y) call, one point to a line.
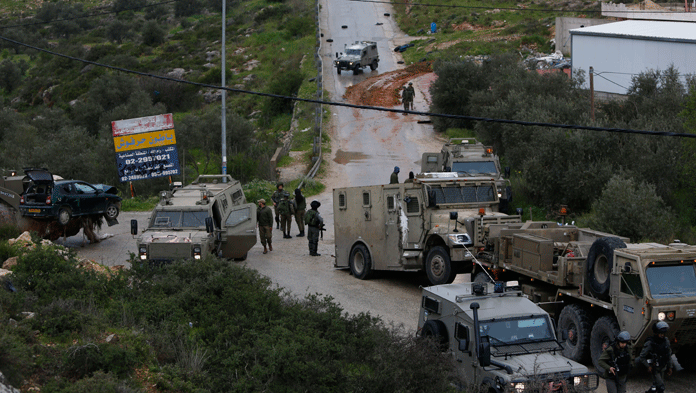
point(142, 250)
point(517, 387)
point(197, 252)
point(590, 381)
point(460, 238)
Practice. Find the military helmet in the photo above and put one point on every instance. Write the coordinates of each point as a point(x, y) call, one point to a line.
point(410, 83)
point(396, 169)
point(623, 337)
point(279, 184)
point(315, 204)
point(660, 327)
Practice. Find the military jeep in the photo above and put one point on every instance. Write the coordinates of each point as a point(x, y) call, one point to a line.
point(208, 217)
point(358, 55)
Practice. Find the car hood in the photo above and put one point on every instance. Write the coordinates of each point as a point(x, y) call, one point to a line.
point(106, 188)
point(542, 363)
point(173, 237)
point(349, 58)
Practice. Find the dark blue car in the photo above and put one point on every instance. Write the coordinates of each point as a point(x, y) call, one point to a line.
point(49, 198)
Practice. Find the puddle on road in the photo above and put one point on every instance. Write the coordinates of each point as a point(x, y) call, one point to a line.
point(344, 157)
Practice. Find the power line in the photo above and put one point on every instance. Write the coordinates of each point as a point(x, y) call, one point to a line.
point(88, 16)
point(611, 81)
point(505, 8)
point(366, 107)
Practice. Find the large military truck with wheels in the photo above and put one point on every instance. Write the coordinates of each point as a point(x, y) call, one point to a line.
point(595, 284)
point(471, 158)
point(208, 217)
point(502, 341)
point(357, 56)
point(412, 226)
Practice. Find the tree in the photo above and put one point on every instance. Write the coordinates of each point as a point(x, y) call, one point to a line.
point(153, 34)
point(10, 75)
point(184, 8)
point(117, 31)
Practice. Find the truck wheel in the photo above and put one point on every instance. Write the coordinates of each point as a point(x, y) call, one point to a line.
point(356, 70)
point(575, 321)
point(599, 261)
point(360, 262)
point(111, 211)
point(438, 266)
point(373, 65)
point(64, 215)
point(687, 357)
point(603, 332)
point(437, 331)
point(338, 70)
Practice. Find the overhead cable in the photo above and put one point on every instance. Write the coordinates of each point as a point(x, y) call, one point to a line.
point(365, 107)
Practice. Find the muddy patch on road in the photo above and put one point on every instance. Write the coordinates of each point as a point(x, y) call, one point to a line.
point(384, 90)
point(344, 157)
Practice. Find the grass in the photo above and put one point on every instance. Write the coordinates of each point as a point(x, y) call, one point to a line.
point(139, 204)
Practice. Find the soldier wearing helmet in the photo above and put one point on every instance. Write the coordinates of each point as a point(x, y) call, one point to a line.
point(616, 360)
point(394, 178)
point(657, 356)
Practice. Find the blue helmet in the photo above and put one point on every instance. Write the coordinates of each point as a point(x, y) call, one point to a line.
point(396, 169)
point(660, 327)
point(623, 337)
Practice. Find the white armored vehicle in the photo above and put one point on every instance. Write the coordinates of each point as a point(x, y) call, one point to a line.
point(358, 55)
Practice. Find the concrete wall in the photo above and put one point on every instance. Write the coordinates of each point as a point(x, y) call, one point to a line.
point(563, 25)
point(616, 60)
point(633, 11)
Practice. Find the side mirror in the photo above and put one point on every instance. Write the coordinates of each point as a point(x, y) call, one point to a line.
point(134, 227)
point(519, 211)
point(484, 353)
point(507, 171)
point(454, 215)
point(209, 225)
point(627, 267)
point(564, 335)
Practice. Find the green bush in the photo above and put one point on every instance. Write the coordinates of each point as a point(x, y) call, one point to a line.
point(9, 231)
point(84, 360)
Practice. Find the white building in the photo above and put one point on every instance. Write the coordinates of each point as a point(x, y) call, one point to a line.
point(618, 51)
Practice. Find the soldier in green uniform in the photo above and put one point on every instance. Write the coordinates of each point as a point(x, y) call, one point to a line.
point(411, 95)
point(300, 208)
point(657, 356)
point(394, 178)
point(315, 224)
point(617, 360)
point(277, 195)
point(264, 219)
point(286, 209)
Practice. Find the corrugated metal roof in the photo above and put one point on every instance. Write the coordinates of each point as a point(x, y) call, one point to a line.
point(643, 29)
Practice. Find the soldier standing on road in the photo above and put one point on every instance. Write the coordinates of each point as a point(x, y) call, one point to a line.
point(301, 207)
point(264, 219)
point(407, 97)
point(286, 209)
point(657, 356)
point(315, 224)
point(411, 94)
point(616, 360)
point(276, 197)
point(394, 176)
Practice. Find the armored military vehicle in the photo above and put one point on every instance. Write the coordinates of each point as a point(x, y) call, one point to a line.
point(503, 341)
point(471, 158)
point(594, 283)
point(358, 55)
point(208, 217)
point(413, 226)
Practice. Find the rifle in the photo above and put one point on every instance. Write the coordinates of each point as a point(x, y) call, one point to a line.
point(321, 231)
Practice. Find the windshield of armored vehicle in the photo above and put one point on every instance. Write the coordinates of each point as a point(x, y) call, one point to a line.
point(516, 330)
point(180, 219)
point(672, 280)
point(355, 52)
point(475, 167)
point(463, 194)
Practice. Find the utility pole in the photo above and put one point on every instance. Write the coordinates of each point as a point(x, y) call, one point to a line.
point(591, 92)
point(224, 96)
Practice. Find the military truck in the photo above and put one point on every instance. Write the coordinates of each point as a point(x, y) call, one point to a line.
point(470, 157)
point(412, 226)
point(358, 55)
point(503, 341)
point(594, 283)
point(208, 217)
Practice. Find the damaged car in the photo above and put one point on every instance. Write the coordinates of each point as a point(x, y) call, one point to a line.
point(46, 197)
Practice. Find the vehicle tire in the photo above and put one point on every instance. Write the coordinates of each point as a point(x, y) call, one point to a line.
point(482, 278)
point(64, 215)
point(373, 65)
point(575, 321)
point(360, 262)
point(438, 266)
point(687, 357)
point(598, 265)
point(356, 70)
point(338, 70)
point(111, 211)
point(437, 331)
point(604, 331)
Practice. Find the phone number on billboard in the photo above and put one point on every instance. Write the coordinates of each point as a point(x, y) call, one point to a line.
point(141, 160)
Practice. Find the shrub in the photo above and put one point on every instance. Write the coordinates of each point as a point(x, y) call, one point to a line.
point(152, 34)
point(9, 231)
point(82, 361)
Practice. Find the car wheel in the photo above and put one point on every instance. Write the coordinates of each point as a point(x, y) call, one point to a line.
point(373, 65)
point(438, 266)
point(437, 331)
point(356, 70)
point(338, 70)
point(482, 278)
point(575, 321)
point(64, 215)
point(111, 211)
point(360, 262)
